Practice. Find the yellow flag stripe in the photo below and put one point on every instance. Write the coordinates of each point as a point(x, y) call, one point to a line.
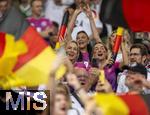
point(33, 73)
point(102, 76)
point(11, 51)
point(110, 104)
point(37, 70)
point(120, 31)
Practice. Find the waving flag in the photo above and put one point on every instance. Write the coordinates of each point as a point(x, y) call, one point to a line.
point(137, 104)
point(132, 14)
point(62, 30)
point(29, 64)
point(9, 51)
point(111, 104)
point(63, 26)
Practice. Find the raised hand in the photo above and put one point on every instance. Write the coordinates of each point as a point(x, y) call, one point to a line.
point(57, 62)
point(110, 61)
point(73, 81)
point(88, 12)
point(78, 11)
point(142, 81)
point(104, 87)
point(94, 72)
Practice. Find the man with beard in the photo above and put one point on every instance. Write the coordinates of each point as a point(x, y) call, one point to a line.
point(138, 54)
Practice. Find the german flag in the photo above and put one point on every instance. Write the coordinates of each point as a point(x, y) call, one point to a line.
point(26, 62)
point(62, 31)
point(131, 14)
point(9, 51)
point(111, 104)
point(137, 104)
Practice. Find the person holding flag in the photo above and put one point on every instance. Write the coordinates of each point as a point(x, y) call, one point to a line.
point(62, 31)
point(107, 62)
point(83, 40)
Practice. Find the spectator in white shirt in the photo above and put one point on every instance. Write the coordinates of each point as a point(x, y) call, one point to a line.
point(138, 54)
point(82, 21)
point(54, 10)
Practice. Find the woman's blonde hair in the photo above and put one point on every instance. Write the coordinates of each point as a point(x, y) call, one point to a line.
point(63, 89)
point(108, 41)
point(72, 41)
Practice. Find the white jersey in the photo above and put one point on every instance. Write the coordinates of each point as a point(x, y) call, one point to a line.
point(122, 88)
point(83, 24)
point(54, 12)
point(73, 112)
point(76, 105)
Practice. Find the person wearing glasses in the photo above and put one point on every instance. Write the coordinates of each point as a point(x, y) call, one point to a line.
point(138, 54)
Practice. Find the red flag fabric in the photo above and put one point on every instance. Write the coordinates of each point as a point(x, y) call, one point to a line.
point(2, 43)
point(131, 14)
point(35, 46)
point(136, 104)
point(137, 14)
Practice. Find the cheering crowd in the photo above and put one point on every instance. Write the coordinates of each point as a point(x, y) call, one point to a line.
point(86, 51)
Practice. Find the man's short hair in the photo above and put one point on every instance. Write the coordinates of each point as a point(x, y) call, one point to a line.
point(138, 68)
point(143, 49)
point(32, 1)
